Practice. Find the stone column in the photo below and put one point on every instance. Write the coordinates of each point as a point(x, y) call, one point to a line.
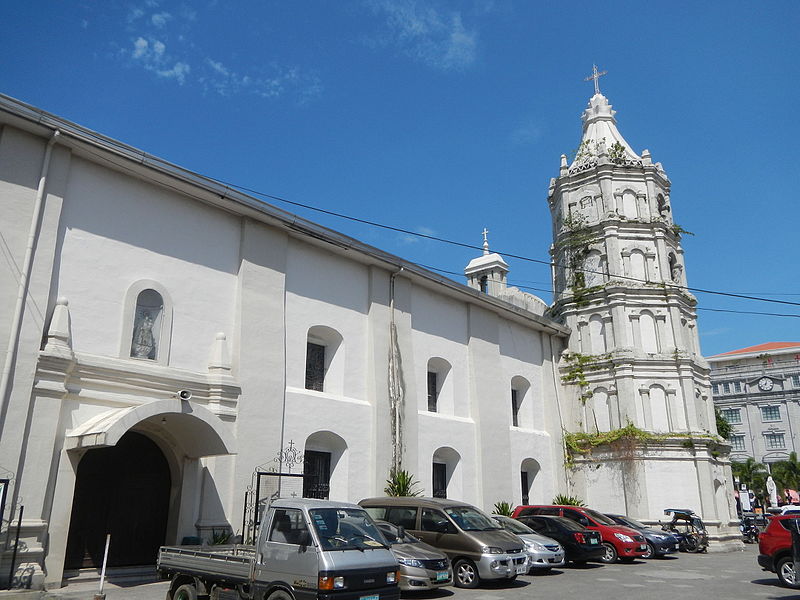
point(620, 326)
point(637, 331)
point(583, 334)
point(661, 331)
point(650, 266)
point(626, 262)
point(608, 330)
point(646, 416)
point(676, 414)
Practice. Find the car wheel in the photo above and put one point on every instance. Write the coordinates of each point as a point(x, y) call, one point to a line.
point(651, 551)
point(785, 571)
point(185, 592)
point(610, 555)
point(466, 575)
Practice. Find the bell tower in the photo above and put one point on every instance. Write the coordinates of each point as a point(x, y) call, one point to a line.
point(640, 423)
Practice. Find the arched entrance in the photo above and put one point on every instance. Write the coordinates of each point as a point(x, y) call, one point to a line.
point(122, 490)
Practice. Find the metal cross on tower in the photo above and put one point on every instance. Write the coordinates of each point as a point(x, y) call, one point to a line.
point(596, 75)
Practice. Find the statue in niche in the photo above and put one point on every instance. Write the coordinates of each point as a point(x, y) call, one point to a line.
point(663, 206)
point(676, 272)
point(144, 343)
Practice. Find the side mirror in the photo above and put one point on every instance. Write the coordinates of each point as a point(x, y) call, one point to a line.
point(442, 527)
point(304, 539)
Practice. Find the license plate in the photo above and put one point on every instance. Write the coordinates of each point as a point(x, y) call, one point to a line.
point(442, 575)
point(592, 541)
point(521, 569)
point(372, 597)
point(643, 547)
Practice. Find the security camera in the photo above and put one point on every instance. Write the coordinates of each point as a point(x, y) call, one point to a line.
point(185, 395)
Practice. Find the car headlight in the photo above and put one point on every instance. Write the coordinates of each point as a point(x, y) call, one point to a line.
point(536, 546)
point(392, 576)
point(658, 537)
point(623, 538)
point(328, 582)
point(410, 562)
point(491, 550)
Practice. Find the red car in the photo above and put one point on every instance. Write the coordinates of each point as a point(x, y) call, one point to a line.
point(775, 548)
point(620, 542)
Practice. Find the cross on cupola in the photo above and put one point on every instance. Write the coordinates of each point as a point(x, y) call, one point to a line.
point(596, 75)
point(485, 233)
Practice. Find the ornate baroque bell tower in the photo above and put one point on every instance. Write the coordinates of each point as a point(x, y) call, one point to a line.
point(640, 422)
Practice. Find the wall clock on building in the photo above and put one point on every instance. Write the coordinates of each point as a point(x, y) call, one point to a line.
point(765, 384)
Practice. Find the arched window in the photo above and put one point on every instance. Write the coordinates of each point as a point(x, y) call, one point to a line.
point(325, 466)
point(324, 360)
point(638, 265)
point(445, 473)
point(529, 469)
point(649, 334)
point(659, 409)
point(484, 282)
point(439, 391)
point(146, 322)
point(597, 334)
point(521, 409)
point(630, 210)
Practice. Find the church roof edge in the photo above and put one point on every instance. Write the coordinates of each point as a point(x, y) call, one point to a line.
point(28, 117)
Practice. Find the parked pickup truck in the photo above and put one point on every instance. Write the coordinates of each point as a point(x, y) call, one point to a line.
point(306, 549)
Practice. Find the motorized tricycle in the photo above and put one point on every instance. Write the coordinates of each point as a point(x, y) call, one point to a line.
point(688, 528)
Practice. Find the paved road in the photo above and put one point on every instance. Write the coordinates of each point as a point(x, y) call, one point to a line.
point(728, 576)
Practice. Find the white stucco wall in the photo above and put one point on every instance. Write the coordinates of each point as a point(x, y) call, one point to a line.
point(115, 231)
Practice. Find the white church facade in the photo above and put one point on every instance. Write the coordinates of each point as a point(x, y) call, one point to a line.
point(168, 338)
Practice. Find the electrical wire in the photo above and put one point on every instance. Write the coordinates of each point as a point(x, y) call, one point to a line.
point(634, 303)
point(475, 247)
point(470, 246)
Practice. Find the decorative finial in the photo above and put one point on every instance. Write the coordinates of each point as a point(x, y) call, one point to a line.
point(596, 75)
point(485, 233)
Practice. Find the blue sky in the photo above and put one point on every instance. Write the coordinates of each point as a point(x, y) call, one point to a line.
point(445, 117)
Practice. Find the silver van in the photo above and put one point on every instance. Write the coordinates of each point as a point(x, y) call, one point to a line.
point(478, 547)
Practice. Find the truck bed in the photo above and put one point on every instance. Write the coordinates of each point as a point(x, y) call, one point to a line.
point(224, 563)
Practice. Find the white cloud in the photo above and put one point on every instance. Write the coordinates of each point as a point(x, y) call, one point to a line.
point(527, 133)
point(178, 72)
point(140, 47)
point(432, 37)
point(218, 67)
point(160, 19)
point(135, 14)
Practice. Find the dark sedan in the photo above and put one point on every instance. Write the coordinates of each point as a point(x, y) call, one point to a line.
point(580, 544)
point(659, 542)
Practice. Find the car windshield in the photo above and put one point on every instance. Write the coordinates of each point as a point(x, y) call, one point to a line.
point(598, 517)
point(568, 524)
point(392, 534)
point(632, 523)
point(513, 525)
point(345, 529)
point(471, 519)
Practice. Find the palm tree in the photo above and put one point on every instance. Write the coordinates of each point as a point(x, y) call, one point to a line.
point(753, 474)
point(787, 473)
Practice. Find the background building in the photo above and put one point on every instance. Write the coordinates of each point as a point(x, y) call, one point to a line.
point(757, 390)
